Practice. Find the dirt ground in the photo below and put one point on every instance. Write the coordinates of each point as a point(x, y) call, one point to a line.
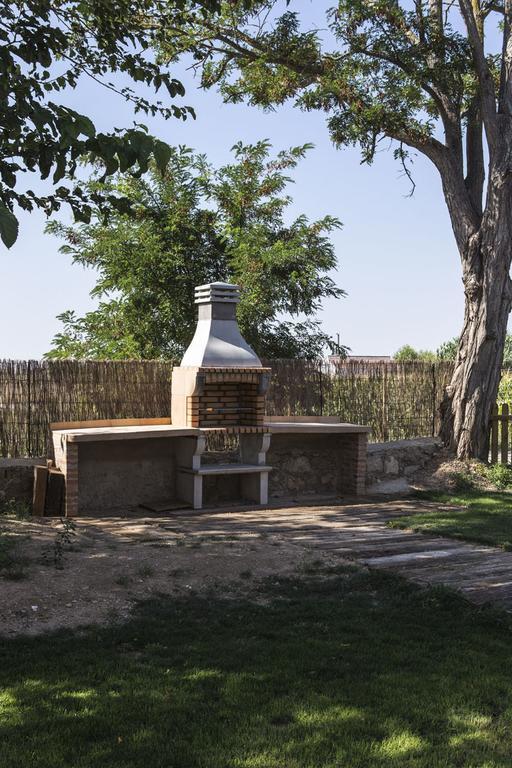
point(110, 563)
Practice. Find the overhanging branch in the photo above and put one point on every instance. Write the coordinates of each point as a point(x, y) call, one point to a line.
point(485, 79)
point(505, 97)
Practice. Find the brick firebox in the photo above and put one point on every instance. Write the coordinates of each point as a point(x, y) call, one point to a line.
point(219, 397)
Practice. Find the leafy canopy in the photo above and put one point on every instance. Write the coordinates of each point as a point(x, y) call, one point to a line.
point(46, 47)
point(191, 225)
point(446, 352)
point(408, 354)
point(416, 73)
point(380, 69)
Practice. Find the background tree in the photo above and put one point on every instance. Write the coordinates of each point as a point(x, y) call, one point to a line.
point(408, 354)
point(418, 73)
point(191, 225)
point(46, 47)
point(448, 350)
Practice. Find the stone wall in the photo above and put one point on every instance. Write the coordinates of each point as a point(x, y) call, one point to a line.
point(17, 478)
point(390, 466)
point(317, 464)
point(321, 465)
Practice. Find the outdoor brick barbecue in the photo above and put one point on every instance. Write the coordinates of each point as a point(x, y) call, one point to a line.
point(220, 382)
point(220, 387)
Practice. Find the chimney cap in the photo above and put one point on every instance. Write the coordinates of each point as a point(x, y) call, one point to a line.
point(217, 292)
point(217, 341)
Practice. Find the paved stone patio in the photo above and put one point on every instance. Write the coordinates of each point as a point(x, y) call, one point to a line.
point(354, 531)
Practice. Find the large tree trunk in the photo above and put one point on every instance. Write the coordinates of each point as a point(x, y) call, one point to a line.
point(474, 385)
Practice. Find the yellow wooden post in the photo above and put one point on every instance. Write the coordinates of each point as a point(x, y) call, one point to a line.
point(504, 433)
point(494, 435)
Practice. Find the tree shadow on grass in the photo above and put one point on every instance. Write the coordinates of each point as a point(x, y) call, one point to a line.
point(349, 669)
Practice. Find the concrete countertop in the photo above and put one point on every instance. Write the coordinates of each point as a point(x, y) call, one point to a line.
point(95, 434)
point(308, 428)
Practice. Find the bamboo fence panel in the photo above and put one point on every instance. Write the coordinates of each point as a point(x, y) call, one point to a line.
point(33, 394)
point(397, 400)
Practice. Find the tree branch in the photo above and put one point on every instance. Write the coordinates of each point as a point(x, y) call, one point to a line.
point(465, 219)
point(306, 68)
point(470, 9)
point(487, 8)
point(447, 111)
point(505, 97)
point(436, 13)
point(475, 176)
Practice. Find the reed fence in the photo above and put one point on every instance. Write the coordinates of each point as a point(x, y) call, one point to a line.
point(397, 400)
point(35, 393)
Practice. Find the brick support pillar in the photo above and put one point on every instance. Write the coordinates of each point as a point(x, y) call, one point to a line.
point(353, 463)
point(66, 459)
point(71, 479)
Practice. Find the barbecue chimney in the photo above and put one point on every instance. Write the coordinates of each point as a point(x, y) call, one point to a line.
point(217, 340)
point(221, 383)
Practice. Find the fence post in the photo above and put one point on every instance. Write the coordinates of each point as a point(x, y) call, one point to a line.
point(434, 399)
point(29, 408)
point(504, 433)
point(385, 430)
point(321, 390)
point(494, 434)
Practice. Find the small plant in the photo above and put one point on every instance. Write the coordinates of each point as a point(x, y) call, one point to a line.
point(462, 481)
point(145, 571)
point(15, 574)
point(313, 566)
point(500, 475)
point(63, 541)
point(123, 581)
point(11, 564)
point(6, 545)
point(14, 508)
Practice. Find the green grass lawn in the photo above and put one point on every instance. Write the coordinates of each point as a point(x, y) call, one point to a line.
point(473, 515)
point(357, 669)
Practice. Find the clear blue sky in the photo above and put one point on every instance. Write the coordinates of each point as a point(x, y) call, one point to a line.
point(397, 257)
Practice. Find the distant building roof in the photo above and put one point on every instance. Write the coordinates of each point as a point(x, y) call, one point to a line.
point(362, 358)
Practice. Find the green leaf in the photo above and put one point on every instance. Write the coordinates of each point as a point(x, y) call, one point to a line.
point(162, 153)
point(8, 226)
point(60, 170)
point(86, 126)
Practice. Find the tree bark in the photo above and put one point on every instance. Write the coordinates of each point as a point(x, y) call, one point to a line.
point(486, 260)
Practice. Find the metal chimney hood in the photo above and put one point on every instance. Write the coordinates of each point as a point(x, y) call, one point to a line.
point(217, 341)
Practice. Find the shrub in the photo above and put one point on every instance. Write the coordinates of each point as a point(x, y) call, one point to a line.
point(500, 475)
point(505, 388)
point(14, 508)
